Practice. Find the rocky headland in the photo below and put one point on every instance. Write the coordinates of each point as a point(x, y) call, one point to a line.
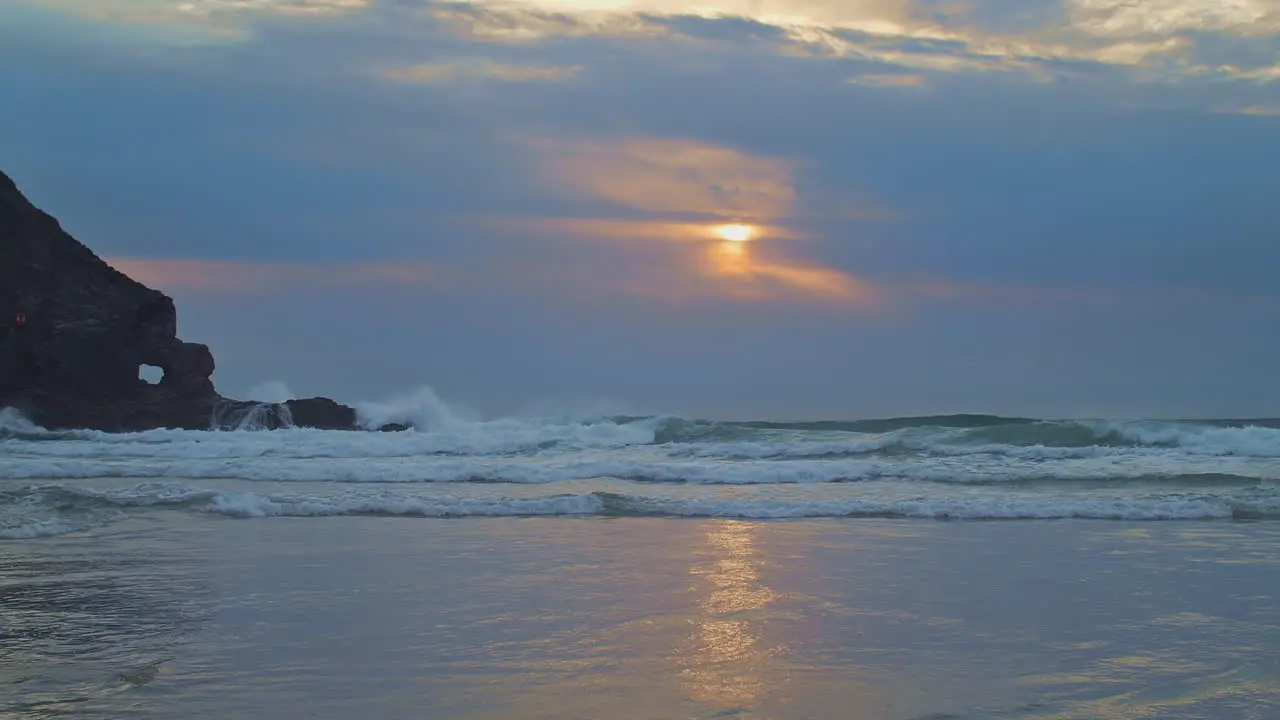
point(75, 332)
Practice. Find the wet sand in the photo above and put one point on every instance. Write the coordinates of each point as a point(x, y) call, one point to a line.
point(629, 618)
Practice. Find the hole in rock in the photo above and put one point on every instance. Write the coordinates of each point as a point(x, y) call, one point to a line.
point(150, 374)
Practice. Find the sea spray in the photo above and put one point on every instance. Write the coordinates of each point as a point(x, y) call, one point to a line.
point(260, 416)
point(13, 422)
point(420, 408)
point(274, 392)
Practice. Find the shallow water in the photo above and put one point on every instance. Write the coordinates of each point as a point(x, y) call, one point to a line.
point(164, 615)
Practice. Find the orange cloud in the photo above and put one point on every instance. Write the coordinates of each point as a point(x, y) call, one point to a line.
point(603, 229)
point(689, 275)
point(746, 275)
point(674, 176)
point(681, 263)
point(741, 203)
point(235, 277)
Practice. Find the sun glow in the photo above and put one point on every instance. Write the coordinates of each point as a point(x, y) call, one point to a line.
point(735, 233)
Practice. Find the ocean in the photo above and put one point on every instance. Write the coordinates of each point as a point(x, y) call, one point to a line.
point(952, 467)
point(643, 567)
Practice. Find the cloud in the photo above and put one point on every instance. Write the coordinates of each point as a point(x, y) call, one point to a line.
point(646, 17)
point(745, 275)
point(196, 9)
point(1128, 19)
point(690, 191)
point(1160, 37)
point(1252, 110)
point(232, 277)
point(214, 18)
point(952, 291)
point(689, 274)
point(455, 70)
point(526, 23)
point(662, 175)
point(628, 230)
point(1153, 40)
point(888, 81)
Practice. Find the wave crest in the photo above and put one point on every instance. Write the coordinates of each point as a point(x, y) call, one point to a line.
point(61, 509)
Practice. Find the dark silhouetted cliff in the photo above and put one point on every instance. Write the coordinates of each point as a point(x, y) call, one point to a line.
point(74, 333)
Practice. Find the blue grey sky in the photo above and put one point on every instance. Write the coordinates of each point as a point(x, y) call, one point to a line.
point(728, 208)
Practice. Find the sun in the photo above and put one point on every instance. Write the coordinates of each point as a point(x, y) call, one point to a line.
point(735, 233)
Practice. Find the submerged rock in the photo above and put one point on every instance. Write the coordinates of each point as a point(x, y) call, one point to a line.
point(75, 332)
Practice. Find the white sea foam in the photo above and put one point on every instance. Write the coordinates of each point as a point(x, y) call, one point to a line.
point(457, 464)
point(1203, 440)
point(28, 529)
point(105, 505)
point(643, 464)
point(254, 505)
point(446, 429)
point(953, 508)
point(35, 521)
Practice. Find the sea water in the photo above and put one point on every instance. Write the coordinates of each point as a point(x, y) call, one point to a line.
point(643, 568)
point(964, 467)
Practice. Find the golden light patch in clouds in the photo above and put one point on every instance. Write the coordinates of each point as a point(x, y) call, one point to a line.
point(632, 230)
point(674, 176)
point(691, 273)
point(234, 277)
point(1260, 110)
point(537, 19)
point(456, 70)
point(742, 201)
point(745, 275)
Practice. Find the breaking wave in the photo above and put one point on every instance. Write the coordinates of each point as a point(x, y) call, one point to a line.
point(451, 463)
point(438, 428)
point(63, 508)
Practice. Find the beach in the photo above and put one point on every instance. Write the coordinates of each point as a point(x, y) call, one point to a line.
point(204, 616)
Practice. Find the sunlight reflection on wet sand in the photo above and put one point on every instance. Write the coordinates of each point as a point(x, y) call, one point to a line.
point(644, 618)
point(726, 660)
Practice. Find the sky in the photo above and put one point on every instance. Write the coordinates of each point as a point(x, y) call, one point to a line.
point(784, 209)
